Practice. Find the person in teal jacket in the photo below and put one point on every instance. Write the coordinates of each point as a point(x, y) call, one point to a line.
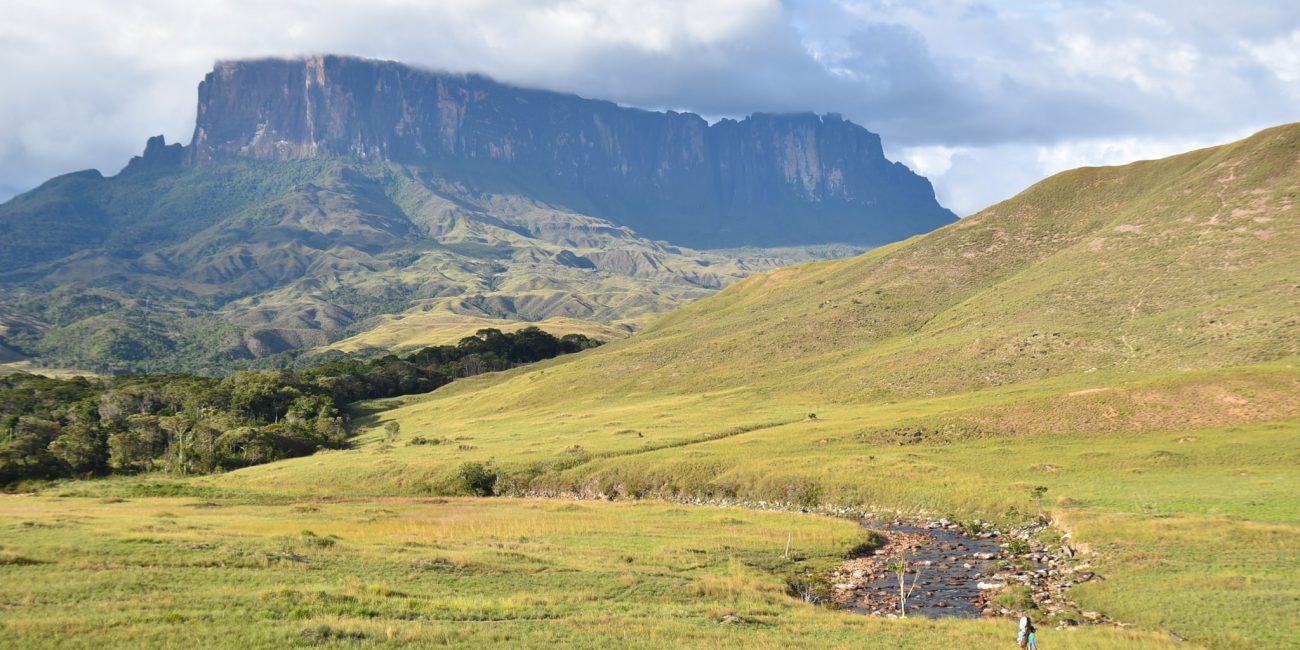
point(1027, 637)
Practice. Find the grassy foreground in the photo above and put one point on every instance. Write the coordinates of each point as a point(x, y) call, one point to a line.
point(213, 572)
point(1185, 488)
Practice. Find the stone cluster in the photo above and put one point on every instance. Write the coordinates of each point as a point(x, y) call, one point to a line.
point(964, 578)
point(1049, 573)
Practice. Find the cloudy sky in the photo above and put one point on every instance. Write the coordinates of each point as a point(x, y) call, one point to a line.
point(984, 97)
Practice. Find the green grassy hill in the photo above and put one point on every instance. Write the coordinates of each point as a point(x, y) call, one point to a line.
point(1095, 278)
point(1170, 265)
point(1126, 338)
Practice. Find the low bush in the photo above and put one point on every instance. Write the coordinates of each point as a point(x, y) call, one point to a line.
point(476, 479)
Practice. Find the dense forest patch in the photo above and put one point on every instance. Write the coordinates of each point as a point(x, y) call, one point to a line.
point(193, 424)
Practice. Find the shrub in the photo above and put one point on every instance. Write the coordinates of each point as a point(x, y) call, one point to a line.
point(1017, 547)
point(871, 541)
point(476, 479)
point(810, 587)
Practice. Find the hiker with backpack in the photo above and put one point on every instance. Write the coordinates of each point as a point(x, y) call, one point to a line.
point(1027, 638)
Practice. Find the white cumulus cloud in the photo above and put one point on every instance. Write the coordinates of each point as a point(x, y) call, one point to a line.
point(983, 97)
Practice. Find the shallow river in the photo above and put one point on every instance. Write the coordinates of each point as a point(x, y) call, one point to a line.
point(947, 587)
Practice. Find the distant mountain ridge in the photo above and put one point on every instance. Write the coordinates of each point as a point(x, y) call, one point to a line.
point(766, 180)
point(330, 198)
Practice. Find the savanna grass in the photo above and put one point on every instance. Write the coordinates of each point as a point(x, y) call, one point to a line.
point(173, 572)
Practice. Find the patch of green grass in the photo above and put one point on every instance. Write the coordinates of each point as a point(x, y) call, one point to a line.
point(1220, 479)
point(473, 572)
point(1222, 580)
point(1016, 598)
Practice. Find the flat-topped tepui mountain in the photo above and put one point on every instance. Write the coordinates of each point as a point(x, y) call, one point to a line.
point(766, 180)
point(330, 197)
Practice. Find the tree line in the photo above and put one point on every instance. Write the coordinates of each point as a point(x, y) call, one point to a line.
point(193, 424)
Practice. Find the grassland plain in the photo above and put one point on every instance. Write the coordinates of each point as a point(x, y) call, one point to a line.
point(271, 573)
point(16, 367)
point(1124, 337)
point(1194, 525)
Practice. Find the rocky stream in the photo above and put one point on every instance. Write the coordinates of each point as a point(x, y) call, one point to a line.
point(960, 571)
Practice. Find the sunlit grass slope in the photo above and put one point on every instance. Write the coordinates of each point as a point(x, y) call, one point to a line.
point(1091, 280)
point(1159, 295)
point(1175, 264)
point(212, 572)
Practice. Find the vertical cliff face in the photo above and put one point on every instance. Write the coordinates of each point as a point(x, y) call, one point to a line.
point(763, 180)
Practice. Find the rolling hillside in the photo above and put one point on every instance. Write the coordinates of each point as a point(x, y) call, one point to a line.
point(1173, 265)
point(1166, 271)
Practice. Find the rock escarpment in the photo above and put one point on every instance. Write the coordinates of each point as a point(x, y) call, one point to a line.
point(763, 180)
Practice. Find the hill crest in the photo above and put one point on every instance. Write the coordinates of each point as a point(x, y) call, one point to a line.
point(1092, 278)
